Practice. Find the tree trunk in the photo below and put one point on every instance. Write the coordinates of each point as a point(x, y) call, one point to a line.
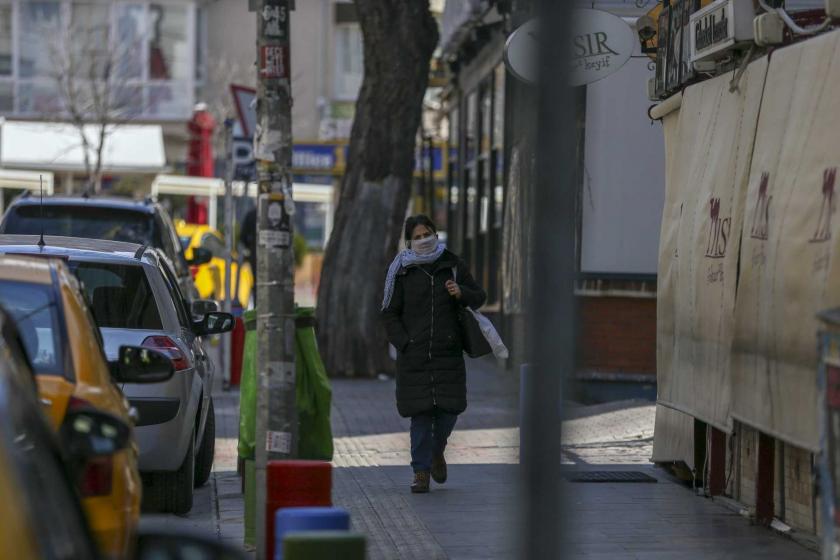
point(399, 39)
point(100, 148)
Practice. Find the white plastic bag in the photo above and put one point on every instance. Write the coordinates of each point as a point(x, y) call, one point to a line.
point(491, 335)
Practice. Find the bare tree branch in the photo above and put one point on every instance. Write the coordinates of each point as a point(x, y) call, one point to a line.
point(92, 94)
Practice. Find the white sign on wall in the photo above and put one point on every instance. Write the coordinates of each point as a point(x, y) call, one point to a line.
point(601, 44)
point(624, 179)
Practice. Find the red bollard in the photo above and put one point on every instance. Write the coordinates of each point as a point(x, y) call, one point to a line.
point(294, 484)
point(237, 345)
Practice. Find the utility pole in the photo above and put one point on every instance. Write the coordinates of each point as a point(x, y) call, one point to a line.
point(276, 419)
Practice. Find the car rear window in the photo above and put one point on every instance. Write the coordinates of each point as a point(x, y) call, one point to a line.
point(38, 318)
point(119, 295)
point(90, 222)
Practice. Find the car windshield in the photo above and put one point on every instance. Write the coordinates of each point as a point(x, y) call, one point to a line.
point(119, 295)
point(37, 316)
point(90, 222)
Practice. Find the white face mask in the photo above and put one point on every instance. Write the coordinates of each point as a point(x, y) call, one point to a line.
point(425, 246)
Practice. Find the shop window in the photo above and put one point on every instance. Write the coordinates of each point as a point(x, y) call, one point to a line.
point(454, 223)
point(349, 61)
point(169, 52)
point(7, 97)
point(154, 52)
point(486, 134)
point(88, 37)
point(200, 44)
point(39, 97)
point(127, 101)
point(6, 14)
point(499, 145)
point(130, 35)
point(40, 35)
point(471, 172)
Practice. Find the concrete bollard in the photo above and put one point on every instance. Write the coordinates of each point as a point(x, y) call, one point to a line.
point(294, 484)
point(302, 519)
point(324, 545)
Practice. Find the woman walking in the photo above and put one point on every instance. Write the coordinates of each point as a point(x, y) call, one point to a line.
point(424, 288)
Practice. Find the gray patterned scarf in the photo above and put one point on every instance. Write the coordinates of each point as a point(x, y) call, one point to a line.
point(405, 259)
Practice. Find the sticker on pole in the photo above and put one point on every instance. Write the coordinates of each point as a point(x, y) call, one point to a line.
point(274, 62)
point(274, 20)
point(278, 442)
point(275, 225)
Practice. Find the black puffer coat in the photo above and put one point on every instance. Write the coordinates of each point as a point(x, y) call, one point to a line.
point(422, 324)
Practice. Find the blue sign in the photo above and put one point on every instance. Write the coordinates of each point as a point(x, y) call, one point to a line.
point(323, 159)
point(421, 160)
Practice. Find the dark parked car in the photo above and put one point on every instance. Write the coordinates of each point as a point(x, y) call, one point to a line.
point(143, 222)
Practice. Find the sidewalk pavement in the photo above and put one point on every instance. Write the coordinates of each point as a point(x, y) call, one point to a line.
point(473, 515)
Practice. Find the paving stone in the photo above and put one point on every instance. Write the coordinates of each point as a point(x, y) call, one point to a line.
point(472, 516)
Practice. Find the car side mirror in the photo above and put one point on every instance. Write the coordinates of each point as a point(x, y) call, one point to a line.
point(137, 364)
point(214, 323)
point(89, 433)
point(155, 542)
point(201, 307)
point(200, 255)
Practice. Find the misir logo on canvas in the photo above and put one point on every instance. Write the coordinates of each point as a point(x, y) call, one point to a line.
point(718, 231)
point(823, 231)
point(761, 212)
point(716, 241)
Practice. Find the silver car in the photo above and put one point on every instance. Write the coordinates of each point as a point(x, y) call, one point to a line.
point(135, 300)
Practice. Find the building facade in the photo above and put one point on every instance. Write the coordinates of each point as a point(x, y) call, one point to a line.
point(490, 118)
point(140, 62)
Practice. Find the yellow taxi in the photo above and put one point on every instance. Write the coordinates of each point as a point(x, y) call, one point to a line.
point(64, 348)
point(210, 277)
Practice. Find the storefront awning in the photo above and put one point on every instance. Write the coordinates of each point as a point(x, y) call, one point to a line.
point(27, 180)
point(58, 147)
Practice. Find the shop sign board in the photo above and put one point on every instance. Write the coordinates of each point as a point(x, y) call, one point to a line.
point(601, 44)
point(720, 26)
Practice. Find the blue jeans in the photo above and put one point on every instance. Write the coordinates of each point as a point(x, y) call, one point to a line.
point(429, 433)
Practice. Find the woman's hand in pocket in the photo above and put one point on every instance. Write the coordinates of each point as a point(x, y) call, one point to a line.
point(453, 288)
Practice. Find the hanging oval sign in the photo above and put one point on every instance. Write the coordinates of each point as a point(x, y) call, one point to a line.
point(601, 44)
point(521, 52)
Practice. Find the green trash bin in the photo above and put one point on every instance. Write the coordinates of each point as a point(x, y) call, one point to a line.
point(314, 394)
point(313, 398)
point(324, 545)
point(248, 388)
point(247, 423)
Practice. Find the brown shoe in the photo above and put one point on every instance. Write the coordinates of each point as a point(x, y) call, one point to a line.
point(421, 483)
point(439, 469)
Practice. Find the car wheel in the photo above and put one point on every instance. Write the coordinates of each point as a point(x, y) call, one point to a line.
point(171, 492)
point(204, 457)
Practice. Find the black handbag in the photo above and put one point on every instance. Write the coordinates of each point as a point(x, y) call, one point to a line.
point(472, 339)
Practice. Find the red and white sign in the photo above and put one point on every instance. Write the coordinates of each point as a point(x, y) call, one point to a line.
point(274, 61)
